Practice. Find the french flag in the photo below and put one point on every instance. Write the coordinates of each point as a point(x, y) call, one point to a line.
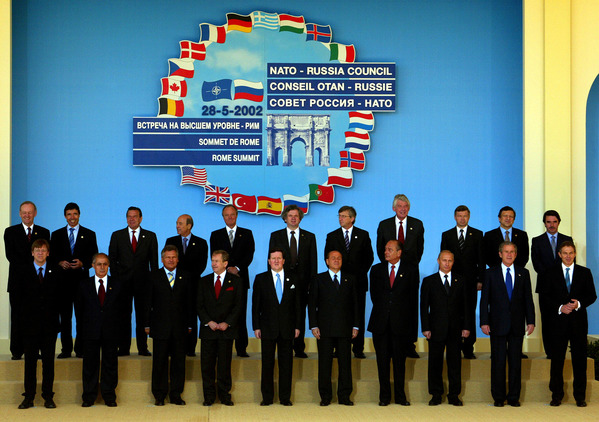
point(246, 90)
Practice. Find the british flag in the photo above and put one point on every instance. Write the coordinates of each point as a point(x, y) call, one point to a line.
point(216, 194)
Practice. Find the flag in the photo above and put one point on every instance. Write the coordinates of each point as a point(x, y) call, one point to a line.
point(174, 86)
point(300, 201)
point(361, 120)
point(268, 205)
point(180, 67)
point(353, 159)
point(359, 140)
point(237, 22)
point(245, 203)
point(340, 177)
point(216, 194)
point(192, 50)
point(291, 23)
point(320, 33)
point(246, 90)
point(322, 193)
point(213, 33)
point(170, 107)
point(343, 53)
point(216, 90)
point(193, 176)
point(265, 20)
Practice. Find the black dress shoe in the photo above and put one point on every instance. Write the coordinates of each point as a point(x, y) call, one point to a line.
point(346, 402)
point(360, 355)
point(110, 403)
point(581, 403)
point(470, 356)
point(301, 355)
point(124, 353)
point(265, 403)
point(243, 355)
point(15, 357)
point(455, 401)
point(191, 355)
point(49, 404)
point(87, 404)
point(325, 402)
point(178, 401)
point(79, 355)
point(555, 402)
point(523, 356)
point(498, 403)
point(145, 353)
point(403, 402)
point(435, 401)
point(208, 403)
point(514, 403)
point(413, 354)
point(63, 355)
point(383, 403)
point(26, 404)
point(286, 403)
point(159, 402)
point(227, 402)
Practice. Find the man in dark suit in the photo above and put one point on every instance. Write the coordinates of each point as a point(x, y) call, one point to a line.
point(444, 314)
point(276, 315)
point(98, 302)
point(333, 315)
point(409, 231)
point(72, 248)
point(506, 233)
point(239, 244)
point(466, 244)
point(133, 254)
point(544, 256)
point(394, 295)
point(37, 285)
point(218, 306)
point(17, 245)
point(169, 315)
point(301, 262)
point(193, 256)
point(506, 313)
point(356, 249)
point(570, 290)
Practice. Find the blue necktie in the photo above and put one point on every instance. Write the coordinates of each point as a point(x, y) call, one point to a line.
point(279, 288)
point(72, 239)
point(508, 283)
point(568, 284)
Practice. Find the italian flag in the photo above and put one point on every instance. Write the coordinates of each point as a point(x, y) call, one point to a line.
point(343, 53)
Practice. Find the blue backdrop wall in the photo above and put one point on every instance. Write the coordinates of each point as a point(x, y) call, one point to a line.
point(82, 70)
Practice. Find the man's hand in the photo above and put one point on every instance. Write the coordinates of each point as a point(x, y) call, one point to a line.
point(258, 334)
point(427, 334)
point(223, 326)
point(297, 333)
point(529, 329)
point(485, 329)
point(316, 333)
point(465, 333)
point(233, 270)
point(76, 264)
point(354, 333)
point(147, 330)
point(213, 325)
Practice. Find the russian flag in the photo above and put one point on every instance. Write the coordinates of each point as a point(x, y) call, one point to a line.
point(180, 67)
point(300, 201)
point(246, 90)
point(361, 120)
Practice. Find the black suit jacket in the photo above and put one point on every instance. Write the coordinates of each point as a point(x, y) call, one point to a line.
point(18, 249)
point(38, 302)
point(195, 257)
point(542, 254)
point(241, 254)
point(86, 247)
point(272, 318)
point(497, 311)
point(495, 237)
point(170, 310)
point(359, 258)
point(307, 265)
point(444, 315)
point(224, 309)
point(413, 246)
point(99, 321)
point(133, 267)
point(395, 306)
point(582, 289)
point(469, 262)
point(334, 311)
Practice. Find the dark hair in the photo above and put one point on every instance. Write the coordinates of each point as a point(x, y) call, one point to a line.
point(38, 243)
point(230, 206)
point(134, 209)
point(273, 250)
point(552, 213)
point(291, 208)
point(71, 206)
point(351, 210)
point(506, 208)
point(503, 244)
point(461, 208)
point(566, 243)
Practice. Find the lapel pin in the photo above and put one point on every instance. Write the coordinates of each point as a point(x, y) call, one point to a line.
point(401, 275)
point(355, 237)
point(193, 243)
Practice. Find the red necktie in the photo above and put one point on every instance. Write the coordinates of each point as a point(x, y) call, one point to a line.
point(400, 236)
point(101, 292)
point(217, 286)
point(392, 275)
point(29, 234)
point(133, 242)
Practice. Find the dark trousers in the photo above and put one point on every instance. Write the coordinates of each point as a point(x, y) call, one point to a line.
point(358, 342)
point(503, 347)
point(472, 300)
point(547, 324)
point(127, 300)
point(326, 345)
point(67, 299)
point(16, 339)
point(390, 346)
point(191, 339)
point(91, 369)
point(284, 349)
point(298, 343)
point(44, 343)
point(216, 355)
point(241, 342)
point(454, 366)
point(163, 348)
point(578, 348)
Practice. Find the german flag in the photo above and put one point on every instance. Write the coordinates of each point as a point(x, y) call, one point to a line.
point(237, 22)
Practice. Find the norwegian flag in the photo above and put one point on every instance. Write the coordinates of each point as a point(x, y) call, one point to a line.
point(353, 159)
point(216, 194)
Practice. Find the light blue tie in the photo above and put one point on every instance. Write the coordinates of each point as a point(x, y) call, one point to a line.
point(279, 288)
point(171, 280)
point(568, 284)
point(72, 239)
point(508, 283)
point(553, 245)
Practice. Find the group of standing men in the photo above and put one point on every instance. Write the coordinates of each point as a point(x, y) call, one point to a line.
point(168, 299)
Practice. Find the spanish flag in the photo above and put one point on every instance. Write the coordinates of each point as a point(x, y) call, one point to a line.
point(268, 205)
